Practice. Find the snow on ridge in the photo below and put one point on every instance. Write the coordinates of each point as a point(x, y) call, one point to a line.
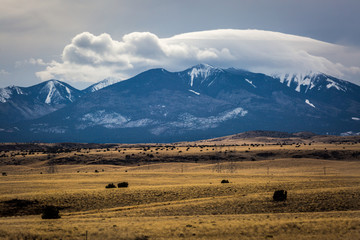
point(69, 96)
point(104, 83)
point(190, 122)
point(332, 83)
point(17, 89)
point(5, 94)
point(309, 103)
point(201, 70)
point(194, 92)
point(54, 91)
point(350, 133)
point(116, 120)
point(250, 82)
point(233, 114)
point(300, 79)
point(102, 117)
point(308, 80)
point(111, 120)
point(47, 129)
point(51, 87)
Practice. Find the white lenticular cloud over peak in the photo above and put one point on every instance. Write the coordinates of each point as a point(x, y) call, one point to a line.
point(91, 58)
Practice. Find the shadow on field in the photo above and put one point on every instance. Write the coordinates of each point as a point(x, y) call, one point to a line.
point(19, 207)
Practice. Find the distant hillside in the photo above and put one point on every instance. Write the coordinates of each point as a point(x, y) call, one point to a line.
point(282, 137)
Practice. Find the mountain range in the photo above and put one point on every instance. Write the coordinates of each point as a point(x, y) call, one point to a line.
point(197, 103)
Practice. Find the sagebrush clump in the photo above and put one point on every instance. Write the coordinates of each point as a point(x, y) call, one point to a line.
point(280, 195)
point(123, 185)
point(110, 185)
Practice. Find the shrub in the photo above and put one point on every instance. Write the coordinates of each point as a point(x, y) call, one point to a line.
point(224, 181)
point(50, 212)
point(280, 195)
point(110, 185)
point(123, 185)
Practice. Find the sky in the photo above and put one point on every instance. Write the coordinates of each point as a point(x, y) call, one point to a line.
point(84, 41)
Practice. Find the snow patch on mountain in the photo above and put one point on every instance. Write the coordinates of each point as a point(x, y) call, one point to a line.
point(69, 96)
point(309, 103)
point(44, 128)
point(194, 92)
point(190, 122)
point(111, 120)
point(299, 80)
point(303, 82)
point(333, 84)
point(102, 84)
point(51, 90)
point(19, 91)
point(202, 71)
point(139, 123)
point(56, 92)
point(6, 93)
point(101, 117)
point(350, 133)
point(250, 82)
point(185, 120)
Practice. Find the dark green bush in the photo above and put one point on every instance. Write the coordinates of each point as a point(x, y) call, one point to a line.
point(123, 185)
point(280, 195)
point(110, 185)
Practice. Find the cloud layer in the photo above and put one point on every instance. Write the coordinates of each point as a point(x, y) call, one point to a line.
point(91, 58)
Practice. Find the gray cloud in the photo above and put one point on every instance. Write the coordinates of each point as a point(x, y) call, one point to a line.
point(91, 58)
point(41, 29)
point(4, 72)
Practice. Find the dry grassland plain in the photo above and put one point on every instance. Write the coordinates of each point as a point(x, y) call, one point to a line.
point(175, 192)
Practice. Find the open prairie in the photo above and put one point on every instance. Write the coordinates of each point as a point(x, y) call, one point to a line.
point(175, 190)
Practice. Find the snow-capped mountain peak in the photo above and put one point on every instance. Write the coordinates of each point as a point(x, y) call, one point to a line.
point(55, 92)
point(305, 82)
point(16, 89)
point(6, 93)
point(25, 103)
point(202, 71)
point(298, 80)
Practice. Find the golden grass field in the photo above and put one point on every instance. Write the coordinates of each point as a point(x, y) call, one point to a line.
point(183, 199)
